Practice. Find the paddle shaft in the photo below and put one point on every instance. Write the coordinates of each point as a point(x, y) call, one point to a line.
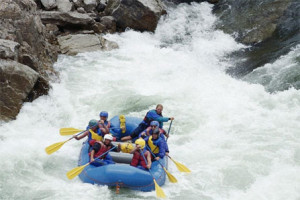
point(169, 131)
point(104, 153)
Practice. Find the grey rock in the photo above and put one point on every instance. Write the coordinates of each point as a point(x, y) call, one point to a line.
point(64, 5)
point(63, 19)
point(16, 82)
point(79, 43)
point(81, 10)
point(9, 49)
point(90, 5)
point(142, 15)
point(49, 4)
point(110, 23)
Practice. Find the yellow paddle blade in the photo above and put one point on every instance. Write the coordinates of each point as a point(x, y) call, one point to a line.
point(76, 171)
point(159, 192)
point(172, 179)
point(69, 131)
point(180, 166)
point(54, 147)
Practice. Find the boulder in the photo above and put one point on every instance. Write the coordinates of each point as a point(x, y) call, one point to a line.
point(142, 15)
point(64, 5)
point(23, 39)
point(66, 19)
point(49, 4)
point(90, 5)
point(9, 49)
point(16, 82)
point(110, 23)
point(79, 43)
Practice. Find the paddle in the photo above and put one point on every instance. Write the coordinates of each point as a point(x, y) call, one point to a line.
point(71, 131)
point(169, 131)
point(159, 192)
point(54, 147)
point(180, 167)
point(172, 179)
point(77, 170)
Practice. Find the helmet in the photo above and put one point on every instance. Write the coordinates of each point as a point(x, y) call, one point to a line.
point(108, 137)
point(140, 142)
point(103, 114)
point(93, 122)
point(154, 123)
point(156, 131)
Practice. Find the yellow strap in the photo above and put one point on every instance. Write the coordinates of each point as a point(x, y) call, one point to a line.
point(122, 123)
point(95, 136)
point(154, 149)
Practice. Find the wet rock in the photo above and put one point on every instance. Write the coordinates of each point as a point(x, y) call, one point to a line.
point(142, 15)
point(16, 82)
point(79, 43)
point(49, 4)
point(250, 21)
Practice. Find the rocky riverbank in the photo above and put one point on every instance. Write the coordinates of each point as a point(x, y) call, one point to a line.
point(34, 32)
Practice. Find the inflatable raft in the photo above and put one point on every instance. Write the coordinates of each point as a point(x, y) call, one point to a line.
point(121, 174)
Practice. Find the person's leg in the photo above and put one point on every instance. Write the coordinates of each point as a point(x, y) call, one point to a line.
point(135, 133)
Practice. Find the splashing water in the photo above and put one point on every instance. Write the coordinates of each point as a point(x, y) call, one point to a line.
point(239, 141)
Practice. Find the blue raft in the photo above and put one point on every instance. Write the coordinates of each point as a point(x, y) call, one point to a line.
point(121, 174)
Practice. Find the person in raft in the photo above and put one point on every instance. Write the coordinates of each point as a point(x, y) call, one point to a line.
point(138, 160)
point(157, 145)
point(92, 131)
point(101, 147)
point(152, 115)
point(151, 128)
point(104, 125)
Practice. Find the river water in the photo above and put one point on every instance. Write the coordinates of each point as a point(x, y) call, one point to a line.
point(239, 140)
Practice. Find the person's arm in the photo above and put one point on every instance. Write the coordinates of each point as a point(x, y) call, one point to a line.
point(92, 156)
point(162, 150)
point(149, 160)
point(103, 127)
point(82, 135)
point(137, 147)
point(154, 116)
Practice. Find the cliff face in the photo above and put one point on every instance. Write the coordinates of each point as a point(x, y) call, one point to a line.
point(26, 56)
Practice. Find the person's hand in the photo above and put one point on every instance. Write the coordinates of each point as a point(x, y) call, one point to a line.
point(76, 137)
point(167, 135)
point(92, 159)
point(167, 153)
point(101, 122)
point(149, 166)
point(157, 158)
point(171, 118)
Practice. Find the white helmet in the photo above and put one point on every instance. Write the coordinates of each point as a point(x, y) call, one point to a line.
point(108, 137)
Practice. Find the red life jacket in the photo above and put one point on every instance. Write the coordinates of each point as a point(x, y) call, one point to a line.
point(138, 159)
point(102, 150)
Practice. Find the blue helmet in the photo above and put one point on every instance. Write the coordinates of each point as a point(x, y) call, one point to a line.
point(103, 114)
point(154, 123)
point(93, 122)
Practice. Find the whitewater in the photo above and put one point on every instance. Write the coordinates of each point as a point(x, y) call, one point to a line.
point(239, 140)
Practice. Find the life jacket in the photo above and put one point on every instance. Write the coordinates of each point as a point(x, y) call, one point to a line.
point(102, 150)
point(138, 158)
point(153, 145)
point(147, 120)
